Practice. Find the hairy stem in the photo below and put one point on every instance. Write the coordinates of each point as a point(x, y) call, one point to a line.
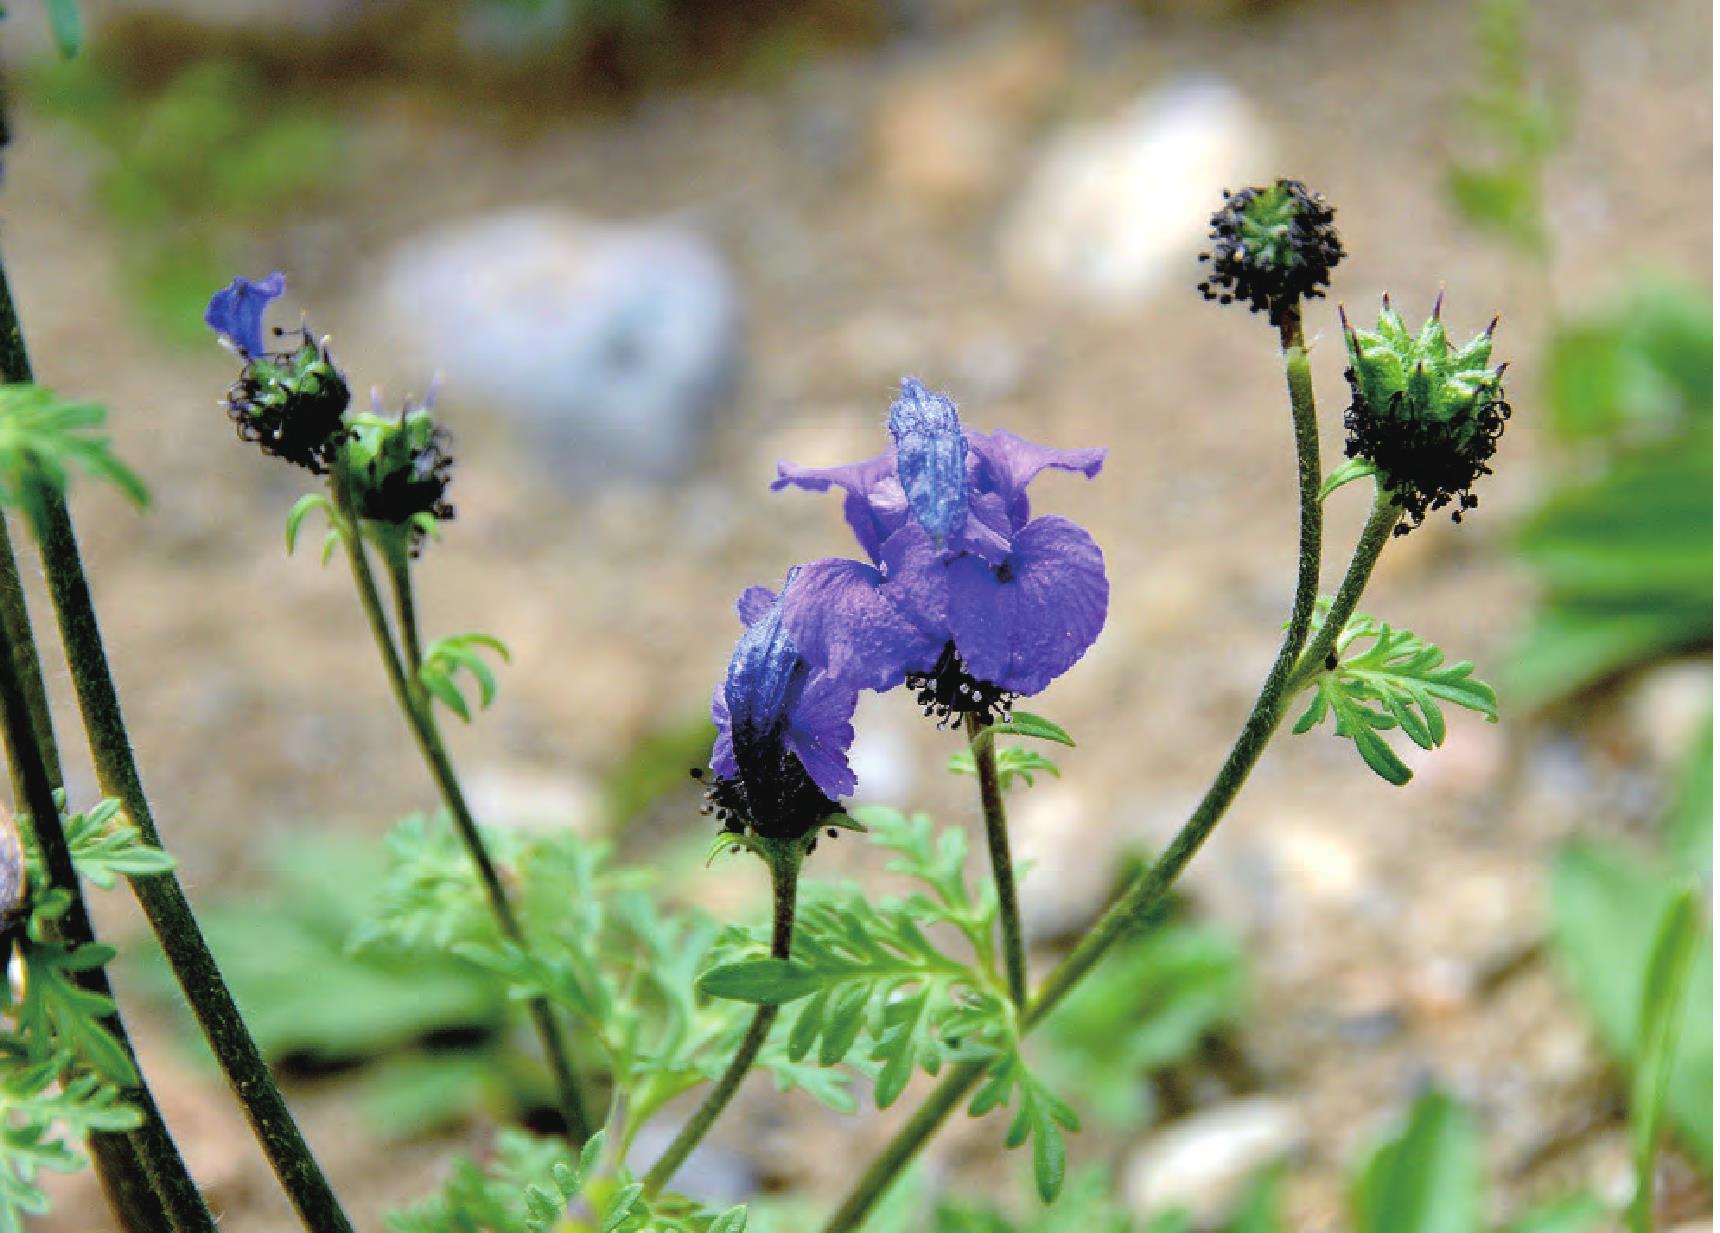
point(414, 704)
point(1002, 866)
point(1382, 520)
point(1130, 909)
point(784, 860)
point(142, 1173)
point(163, 898)
point(161, 895)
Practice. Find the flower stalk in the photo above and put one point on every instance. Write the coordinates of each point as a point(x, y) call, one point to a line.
point(161, 896)
point(1002, 865)
point(414, 702)
point(1136, 904)
point(142, 1173)
point(784, 858)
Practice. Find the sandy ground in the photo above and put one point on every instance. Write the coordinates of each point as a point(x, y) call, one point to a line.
point(258, 710)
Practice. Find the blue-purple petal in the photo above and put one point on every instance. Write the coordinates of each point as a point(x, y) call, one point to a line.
point(723, 752)
point(754, 603)
point(1024, 623)
point(872, 499)
point(845, 623)
point(1006, 464)
point(236, 311)
point(931, 458)
point(820, 730)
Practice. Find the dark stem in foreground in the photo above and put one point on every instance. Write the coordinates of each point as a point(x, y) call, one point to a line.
point(414, 703)
point(1137, 902)
point(984, 749)
point(784, 859)
point(142, 1173)
point(163, 898)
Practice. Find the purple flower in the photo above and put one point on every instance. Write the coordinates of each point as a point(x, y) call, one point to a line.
point(968, 598)
point(236, 313)
point(783, 728)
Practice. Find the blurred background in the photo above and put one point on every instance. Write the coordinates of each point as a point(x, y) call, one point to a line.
point(652, 248)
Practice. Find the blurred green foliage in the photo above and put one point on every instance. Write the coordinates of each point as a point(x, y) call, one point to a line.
point(1608, 900)
point(1624, 550)
point(1149, 1007)
point(187, 170)
point(1515, 125)
point(428, 1030)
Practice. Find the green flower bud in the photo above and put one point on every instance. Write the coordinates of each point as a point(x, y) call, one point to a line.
point(1272, 247)
point(290, 403)
point(1425, 413)
point(399, 468)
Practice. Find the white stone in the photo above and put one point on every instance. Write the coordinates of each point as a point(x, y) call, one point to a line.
point(609, 344)
point(1201, 1163)
point(1115, 209)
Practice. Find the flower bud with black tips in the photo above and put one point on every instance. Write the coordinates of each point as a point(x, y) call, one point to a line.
point(398, 468)
point(1272, 248)
point(1426, 413)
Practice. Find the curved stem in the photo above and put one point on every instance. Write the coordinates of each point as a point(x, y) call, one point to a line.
point(163, 898)
point(1144, 894)
point(1382, 521)
point(414, 704)
point(142, 1173)
point(784, 860)
point(1002, 866)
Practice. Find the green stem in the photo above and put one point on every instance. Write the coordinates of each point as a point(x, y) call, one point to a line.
point(1144, 894)
point(142, 1173)
point(1382, 520)
point(1002, 866)
point(162, 897)
point(784, 859)
point(414, 703)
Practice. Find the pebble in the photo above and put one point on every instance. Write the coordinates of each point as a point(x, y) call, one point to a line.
point(1116, 209)
point(518, 798)
point(610, 346)
point(1202, 1162)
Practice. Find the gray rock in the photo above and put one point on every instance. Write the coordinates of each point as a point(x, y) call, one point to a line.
point(609, 345)
point(1202, 1162)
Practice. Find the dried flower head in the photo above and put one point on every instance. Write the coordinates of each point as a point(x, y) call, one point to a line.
point(399, 467)
point(1272, 247)
point(1427, 414)
point(291, 403)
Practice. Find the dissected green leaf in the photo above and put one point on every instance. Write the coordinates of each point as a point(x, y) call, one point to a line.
point(43, 437)
point(1040, 1117)
point(1013, 763)
point(764, 982)
point(446, 656)
point(1397, 681)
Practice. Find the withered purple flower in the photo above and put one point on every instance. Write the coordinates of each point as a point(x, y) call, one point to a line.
point(783, 728)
